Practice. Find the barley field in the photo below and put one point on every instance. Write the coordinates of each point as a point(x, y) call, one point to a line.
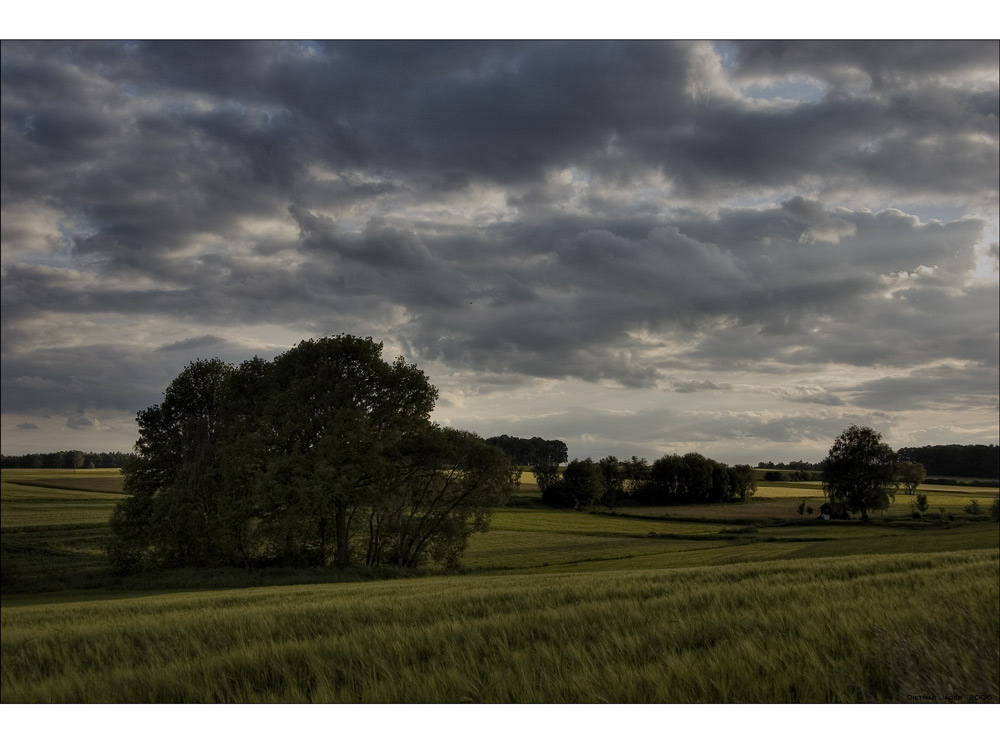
point(552, 607)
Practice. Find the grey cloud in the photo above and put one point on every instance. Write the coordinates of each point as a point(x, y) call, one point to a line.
point(81, 422)
point(818, 398)
point(687, 386)
point(323, 188)
point(189, 344)
point(744, 284)
point(941, 387)
point(121, 377)
point(879, 64)
point(732, 436)
point(822, 226)
point(276, 107)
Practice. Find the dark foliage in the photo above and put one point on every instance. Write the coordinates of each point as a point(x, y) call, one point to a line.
point(531, 452)
point(74, 459)
point(582, 485)
point(324, 456)
point(859, 475)
point(961, 460)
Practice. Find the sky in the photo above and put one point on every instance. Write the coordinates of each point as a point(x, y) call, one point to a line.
point(639, 248)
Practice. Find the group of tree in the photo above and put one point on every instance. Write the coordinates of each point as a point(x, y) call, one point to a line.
point(796, 465)
point(670, 480)
point(72, 460)
point(543, 455)
point(325, 455)
point(531, 452)
point(792, 475)
point(965, 460)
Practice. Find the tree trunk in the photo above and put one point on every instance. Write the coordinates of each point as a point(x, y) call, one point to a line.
point(343, 557)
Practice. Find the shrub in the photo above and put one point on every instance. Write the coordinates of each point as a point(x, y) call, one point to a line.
point(558, 495)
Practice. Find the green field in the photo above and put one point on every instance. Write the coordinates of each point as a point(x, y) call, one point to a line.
point(738, 603)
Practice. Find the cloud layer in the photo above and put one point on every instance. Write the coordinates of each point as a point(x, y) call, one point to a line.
point(805, 232)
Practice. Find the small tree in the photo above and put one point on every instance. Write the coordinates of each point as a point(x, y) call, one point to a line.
point(546, 474)
point(584, 481)
point(613, 472)
point(742, 482)
point(859, 474)
point(637, 474)
point(920, 503)
point(910, 475)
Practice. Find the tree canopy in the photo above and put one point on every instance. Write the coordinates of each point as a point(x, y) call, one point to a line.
point(967, 460)
point(859, 474)
point(531, 452)
point(910, 475)
point(326, 455)
point(670, 480)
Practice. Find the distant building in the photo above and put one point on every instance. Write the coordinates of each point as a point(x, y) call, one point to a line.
point(827, 512)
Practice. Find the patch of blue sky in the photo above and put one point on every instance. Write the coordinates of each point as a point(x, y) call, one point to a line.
point(798, 89)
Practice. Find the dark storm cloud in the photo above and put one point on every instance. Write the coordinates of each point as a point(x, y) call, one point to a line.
point(941, 387)
point(518, 210)
point(504, 112)
point(125, 377)
point(575, 310)
point(881, 63)
point(189, 344)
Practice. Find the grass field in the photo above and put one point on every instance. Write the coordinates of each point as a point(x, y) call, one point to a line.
point(773, 632)
point(737, 603)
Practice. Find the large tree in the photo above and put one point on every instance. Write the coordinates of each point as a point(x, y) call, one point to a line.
point(441, 489)
point(172, 515)
point(335, 412)
point(310, 459)
point(859, 474)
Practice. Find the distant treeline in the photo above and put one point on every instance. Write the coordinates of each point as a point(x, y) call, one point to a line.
point(798, 466)
point(670, 480)
point(964, 460)
point(65, 460)
point(530, 452)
